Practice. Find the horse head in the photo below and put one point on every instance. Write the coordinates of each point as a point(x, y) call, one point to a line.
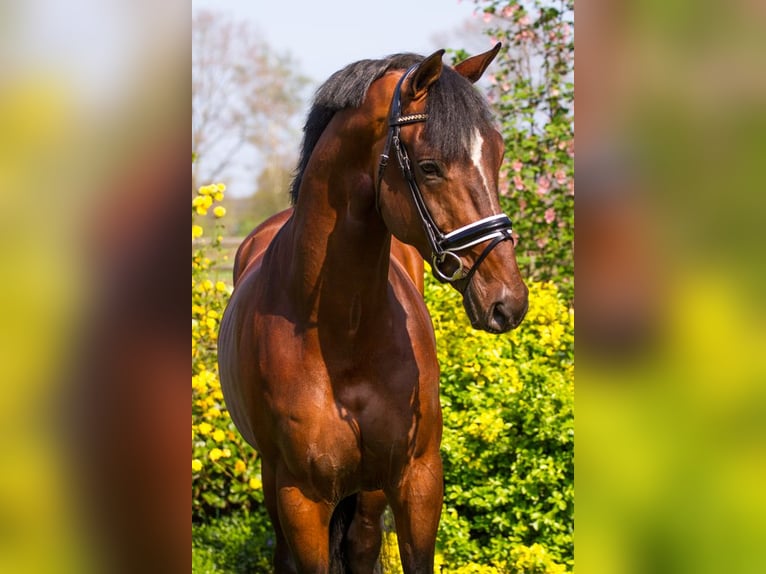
point(443, 198)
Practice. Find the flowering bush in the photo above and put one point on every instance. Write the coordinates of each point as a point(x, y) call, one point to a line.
point(532, 91)
point(225, 470)
point(508, 446)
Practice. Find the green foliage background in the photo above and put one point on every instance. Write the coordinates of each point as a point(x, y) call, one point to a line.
point(531, 87)
point(508, 446)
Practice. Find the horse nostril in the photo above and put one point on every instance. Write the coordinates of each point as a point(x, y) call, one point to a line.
point(501, 317)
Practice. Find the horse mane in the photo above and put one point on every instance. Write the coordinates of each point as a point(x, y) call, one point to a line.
point(454, 107)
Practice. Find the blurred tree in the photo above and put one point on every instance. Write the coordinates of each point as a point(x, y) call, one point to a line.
point(271, 196)
point(244, 97)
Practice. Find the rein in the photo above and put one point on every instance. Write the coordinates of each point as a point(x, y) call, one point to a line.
point(444, 246)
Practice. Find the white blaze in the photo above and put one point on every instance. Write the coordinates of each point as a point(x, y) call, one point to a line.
point(477, 142)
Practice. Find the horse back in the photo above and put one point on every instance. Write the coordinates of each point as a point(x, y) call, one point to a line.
point(256, 243)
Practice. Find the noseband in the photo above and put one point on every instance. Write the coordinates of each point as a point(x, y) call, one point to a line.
point(444, 246)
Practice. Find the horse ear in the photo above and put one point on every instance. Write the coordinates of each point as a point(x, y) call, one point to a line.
point(474, 67)
point(426, 74)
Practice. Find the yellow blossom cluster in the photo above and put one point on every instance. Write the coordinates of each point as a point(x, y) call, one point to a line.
point(206, 197)
point(225, 470)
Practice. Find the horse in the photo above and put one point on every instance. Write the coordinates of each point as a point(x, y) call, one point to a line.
point(326, 352)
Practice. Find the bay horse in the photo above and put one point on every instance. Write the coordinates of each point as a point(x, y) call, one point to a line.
point(326, 349)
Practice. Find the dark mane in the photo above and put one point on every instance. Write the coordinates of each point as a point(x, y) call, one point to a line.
point(454, 107)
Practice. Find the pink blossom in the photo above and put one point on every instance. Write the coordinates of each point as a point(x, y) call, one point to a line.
point(509, 11)
point(526, 34)
point(522, 205)
point(542, 242)
point(517, 165)
point(504, 188)
point(561, 176)
point(487, 17)
point(491, 78)
point(543, 185)
point(524, 20)
point(550, 215)
point(518, 183)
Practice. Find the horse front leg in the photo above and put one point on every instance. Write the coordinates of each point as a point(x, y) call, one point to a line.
point(305, 524)
point(283, 562)
point(417, 503)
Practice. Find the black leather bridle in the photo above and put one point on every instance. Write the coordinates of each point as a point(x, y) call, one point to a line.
point(444, 246)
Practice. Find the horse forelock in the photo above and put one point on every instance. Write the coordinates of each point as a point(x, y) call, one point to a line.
point(454, 107)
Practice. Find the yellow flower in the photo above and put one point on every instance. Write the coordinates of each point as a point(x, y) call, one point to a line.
point(255, 483)
point(196, 465)
point(218, 435)
point(220, 286)
point(200, 385)
point(215, 454)
point(221, 187)
point(202, 203)
point(196, 231)
point(239, 466)
point(205, 428)
point(219, 211)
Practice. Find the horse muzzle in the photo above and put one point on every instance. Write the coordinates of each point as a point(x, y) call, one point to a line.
point(504, 312)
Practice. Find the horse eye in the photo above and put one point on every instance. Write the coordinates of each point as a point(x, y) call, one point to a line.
point(430, 168)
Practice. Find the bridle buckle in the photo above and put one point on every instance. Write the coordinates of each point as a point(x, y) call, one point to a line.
point(439, 258)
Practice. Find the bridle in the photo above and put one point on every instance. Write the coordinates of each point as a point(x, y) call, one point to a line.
point(444, 246)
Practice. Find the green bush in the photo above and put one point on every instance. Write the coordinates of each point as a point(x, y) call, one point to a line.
point(233, 544)
point(508, 445)
point(225, 470)
point(531, 87)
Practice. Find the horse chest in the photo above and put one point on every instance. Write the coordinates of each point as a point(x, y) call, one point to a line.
point(334, 427)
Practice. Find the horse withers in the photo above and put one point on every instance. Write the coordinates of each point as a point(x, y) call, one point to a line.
point(326, 352)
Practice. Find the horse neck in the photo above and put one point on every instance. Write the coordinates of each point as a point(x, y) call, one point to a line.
point(340, 246)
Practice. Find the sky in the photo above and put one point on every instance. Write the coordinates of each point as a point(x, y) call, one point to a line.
point(325, 35)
